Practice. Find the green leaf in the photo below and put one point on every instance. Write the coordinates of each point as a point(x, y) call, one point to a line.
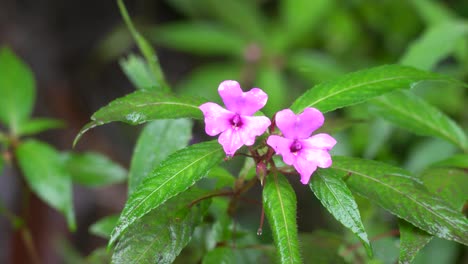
point(242, 15)
point(113, 44)
point(321, 247)
point(17, 89)
point(67, 252)
point(301, 17)
point(248, 170)
point(46, 176)
point(425, 152)
point(159, 236)
point(385, 251)
point(222, 228)
point(315, 66)
point(404, 196)
point(98, 256)
point(204, 80)
point(145, 49)
point(93, 169)
point(450, 184)
point(188, 8)
point(38, 125)
point(412, 240)
point(413, 113)
point(198, 38)
point(335, 196)
point(433, 12)
point(138, 72)
point(272, 81)
point(174, 175)
point(362, 85)
point(438, 251)
point(230, 255)
point(143, 106)
point(456, 161)
point(218, 255)
point(157, 140)
point(103, 228)
point(435, 44)
point(222, 176)
point(279, 201)
point(380, 132)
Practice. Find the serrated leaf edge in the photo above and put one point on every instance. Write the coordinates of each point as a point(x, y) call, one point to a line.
point(358, 222)
point(114, 238)
point(415, 201)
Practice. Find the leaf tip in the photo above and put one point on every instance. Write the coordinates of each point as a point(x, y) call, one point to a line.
point(72, 227)
point(70, 216)
point(112, 240)
point(83, 130)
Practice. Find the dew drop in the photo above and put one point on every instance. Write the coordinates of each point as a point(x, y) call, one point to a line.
point(259, 232)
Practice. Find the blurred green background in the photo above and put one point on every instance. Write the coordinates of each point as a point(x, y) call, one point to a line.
point(78, 51)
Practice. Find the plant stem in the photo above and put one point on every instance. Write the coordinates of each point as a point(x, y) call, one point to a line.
point(246, 186)
point(23, 233)
point(28, 242)
point(262, 219)
point(211, 195)
point(14, 220)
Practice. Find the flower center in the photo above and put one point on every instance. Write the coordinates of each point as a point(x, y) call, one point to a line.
point(295, 147)
point(236, 121)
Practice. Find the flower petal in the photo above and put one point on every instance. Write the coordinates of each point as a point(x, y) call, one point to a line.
point(231, 93)
point(282, 146)
point(319, 141)
point(254, 100)
point(239, 102)
point(231, 141)
point(299, 126)
point(253, 126)
point(305, 168)
point(318, 157)
point(217, 119)
point(311, 156)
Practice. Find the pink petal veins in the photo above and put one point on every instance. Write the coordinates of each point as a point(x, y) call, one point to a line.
point(254, 126)
point(231, 141)
point(297, 147)
point(236, 125)
point(239, 102)
point(233, 138)
point(299, 126)
point(320, 141)
point(318, 157)
point(305, 168)
point(255, 99)
point(230, 92)
point(217, 119)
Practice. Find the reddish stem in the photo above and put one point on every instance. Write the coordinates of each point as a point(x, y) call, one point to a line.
point(211, 195)
point(262, 218)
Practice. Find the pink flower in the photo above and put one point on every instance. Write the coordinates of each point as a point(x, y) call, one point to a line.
point(305, 153)
point(237, 124)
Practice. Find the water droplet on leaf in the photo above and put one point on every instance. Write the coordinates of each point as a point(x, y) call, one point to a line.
point(259, 232)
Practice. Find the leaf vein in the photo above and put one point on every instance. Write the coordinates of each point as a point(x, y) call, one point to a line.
point(401, 193)
point(355, 86)
point(283, 214)
point(130, 212)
